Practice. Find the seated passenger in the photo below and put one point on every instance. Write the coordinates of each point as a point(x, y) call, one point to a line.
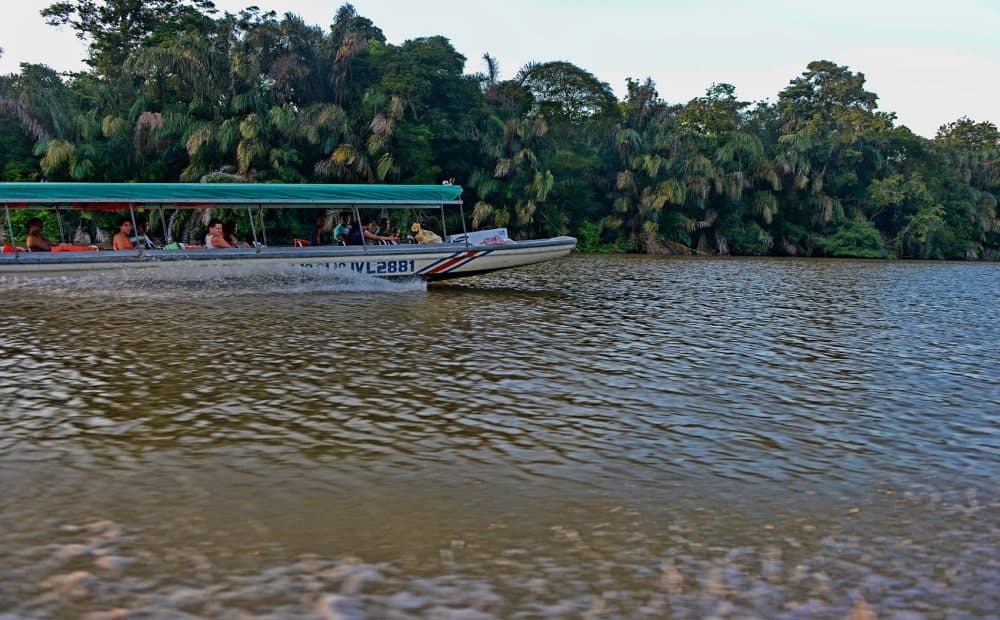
point(214, 239)
point(319, 230)
point(342, 232)
point(141, 239)
point(229, 234)
point(36, 241)
point(372, 236)
point(356, 235)
point(122, 239)
point(386, 230)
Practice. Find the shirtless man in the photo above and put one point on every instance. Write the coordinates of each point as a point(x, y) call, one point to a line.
point(121, 240)
point(214, 238)
point(36, 241)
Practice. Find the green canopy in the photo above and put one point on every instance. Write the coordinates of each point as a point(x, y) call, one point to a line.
point(197, 195)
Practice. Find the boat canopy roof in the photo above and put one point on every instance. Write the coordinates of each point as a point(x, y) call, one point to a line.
point(113, 196)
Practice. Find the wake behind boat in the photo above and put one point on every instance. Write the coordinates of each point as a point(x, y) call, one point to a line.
point(460, 255)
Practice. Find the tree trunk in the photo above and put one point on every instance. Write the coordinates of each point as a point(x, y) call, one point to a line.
point(168, 234)
point(721, 244)
point(197, 217)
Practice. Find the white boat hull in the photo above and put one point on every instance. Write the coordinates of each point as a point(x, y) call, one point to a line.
point(429, 262)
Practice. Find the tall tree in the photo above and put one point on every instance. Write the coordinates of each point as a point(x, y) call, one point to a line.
point(827, 151)
point(116, 28)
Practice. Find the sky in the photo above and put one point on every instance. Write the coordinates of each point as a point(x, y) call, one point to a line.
point(930, 62)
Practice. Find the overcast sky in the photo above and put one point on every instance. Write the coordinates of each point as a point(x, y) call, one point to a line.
point(931, 62)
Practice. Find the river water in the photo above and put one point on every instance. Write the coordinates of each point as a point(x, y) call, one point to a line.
point(598, 437)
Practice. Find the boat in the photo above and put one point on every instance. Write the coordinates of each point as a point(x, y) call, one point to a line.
point(459, 255)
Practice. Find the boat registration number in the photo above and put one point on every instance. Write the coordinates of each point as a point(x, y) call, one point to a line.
point(380, 267)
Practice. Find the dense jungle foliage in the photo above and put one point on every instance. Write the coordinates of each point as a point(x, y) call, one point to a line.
point(178, 92)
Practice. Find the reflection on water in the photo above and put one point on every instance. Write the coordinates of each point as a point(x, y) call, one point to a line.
point(600, 437)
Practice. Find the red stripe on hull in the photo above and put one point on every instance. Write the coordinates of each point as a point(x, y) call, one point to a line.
point(450, 262)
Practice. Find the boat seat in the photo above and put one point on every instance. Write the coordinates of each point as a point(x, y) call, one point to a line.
point(300, 243)
point(74, 248)
point(9, 249)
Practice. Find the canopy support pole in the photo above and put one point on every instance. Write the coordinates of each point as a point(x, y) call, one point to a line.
point(444, 231)
point(357, 218)
point(263, 231)
point(59, 221)
point(163, 222)
point(135, 229)
point(461, 212)
point(253, 229)
point(10, 230)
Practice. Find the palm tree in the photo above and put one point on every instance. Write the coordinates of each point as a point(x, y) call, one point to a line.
point(349, 37)
point(512, 183)
point(643, 185)
point(12, 108)
point(189, 70)
point(366, 151)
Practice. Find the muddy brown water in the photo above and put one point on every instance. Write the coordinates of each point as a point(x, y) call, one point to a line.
point(601, 436)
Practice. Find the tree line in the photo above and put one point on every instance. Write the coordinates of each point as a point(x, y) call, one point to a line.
point(176, 91)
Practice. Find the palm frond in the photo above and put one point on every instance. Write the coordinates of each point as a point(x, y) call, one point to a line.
point(610, 222)
point(229, 135)
point(114, 126)
point(381, 126)
point(376, 144)
point(765, 206)
point(145, 126)
point(397, 106)
point(283, 118)
point(481, 214)
point(503, 168)
point(248, 152)
point(625, 181)
point(622, 204)
point(201, 142)
point(82, 170)
point(60, 155)
point(384, 166)
point(11, 108)
point(672, 191)
point(251, 127)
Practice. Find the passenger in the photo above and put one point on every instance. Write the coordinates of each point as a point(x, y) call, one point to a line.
point(342, 232)
point(229, 234)
point(214, 239)
point(122, 239)
point(141, 239)
point(36, 241)
point(371, 234)
point(356, 234)
point(386, 230)
point(319, 230)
